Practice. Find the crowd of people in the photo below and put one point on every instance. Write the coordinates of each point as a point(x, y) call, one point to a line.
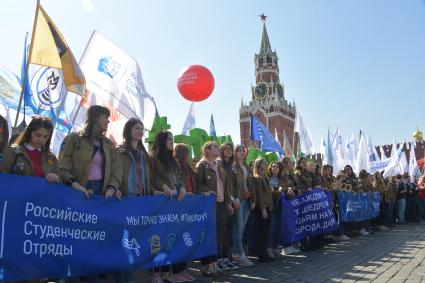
point(248, 196)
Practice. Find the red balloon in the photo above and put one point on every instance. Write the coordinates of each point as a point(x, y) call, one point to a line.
point(195, 83)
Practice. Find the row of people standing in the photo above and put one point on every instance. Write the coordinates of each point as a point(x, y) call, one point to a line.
point(89, 162)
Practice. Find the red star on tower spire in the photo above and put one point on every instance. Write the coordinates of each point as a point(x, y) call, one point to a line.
point(263, 17)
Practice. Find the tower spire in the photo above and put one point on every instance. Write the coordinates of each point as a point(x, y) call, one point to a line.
point(265, 42)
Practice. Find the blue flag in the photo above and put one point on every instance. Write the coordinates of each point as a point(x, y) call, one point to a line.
point(53, 231)
point(212, 127)
point(260, 133)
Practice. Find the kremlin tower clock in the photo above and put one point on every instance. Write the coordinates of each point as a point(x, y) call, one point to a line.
point(268, 101)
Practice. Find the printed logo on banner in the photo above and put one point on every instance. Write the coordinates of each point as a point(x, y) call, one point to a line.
point(108, 66)
point(47, 87)
point(155, 242)
point(132, 245)
point(187, 240)
point(171, 239)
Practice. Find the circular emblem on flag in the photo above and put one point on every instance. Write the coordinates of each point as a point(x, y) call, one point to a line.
point(47, 88)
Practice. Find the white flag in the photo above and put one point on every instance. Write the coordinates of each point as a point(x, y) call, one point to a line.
point(393, 167)
point(114, 80)
point(306, 141)
point(189, 123)
point(413, 165)
point(404, 165)
point(362, 159)
point(373, 154)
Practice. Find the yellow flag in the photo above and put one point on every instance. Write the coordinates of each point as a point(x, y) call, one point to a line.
point(48, 48)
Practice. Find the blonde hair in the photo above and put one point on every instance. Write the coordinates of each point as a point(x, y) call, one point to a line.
point(257, 164)
point(206, 147)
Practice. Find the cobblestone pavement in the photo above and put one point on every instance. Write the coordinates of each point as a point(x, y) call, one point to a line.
point(396, 255)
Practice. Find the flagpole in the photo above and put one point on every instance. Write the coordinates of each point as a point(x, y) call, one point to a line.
point(81, 101)
point(24, 85)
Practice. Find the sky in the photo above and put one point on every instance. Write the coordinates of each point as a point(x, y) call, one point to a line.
point(353, 64)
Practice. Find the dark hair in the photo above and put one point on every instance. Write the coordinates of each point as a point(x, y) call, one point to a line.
point(298, 167)
point(161, 152)
point(326, 167)
point(90, 124)
point(36, 123)
point(352, 174)
point(4, 133)
point(222, 147)
point(126, 133)
point(180, 151)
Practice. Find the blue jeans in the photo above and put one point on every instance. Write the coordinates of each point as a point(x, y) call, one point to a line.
point(389, 213)
point(421, 206)
point(275, 231)
point(239, 222)
point(401, 209)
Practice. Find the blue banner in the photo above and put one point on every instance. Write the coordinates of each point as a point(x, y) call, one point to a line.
point(52, 231)
point(307, 215)
point(354, 207)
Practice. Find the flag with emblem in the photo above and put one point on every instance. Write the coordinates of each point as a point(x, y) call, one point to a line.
point(45, 92)
point(260, 133)
point(48, 48)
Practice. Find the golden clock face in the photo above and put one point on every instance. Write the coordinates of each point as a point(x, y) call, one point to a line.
point(261, 91)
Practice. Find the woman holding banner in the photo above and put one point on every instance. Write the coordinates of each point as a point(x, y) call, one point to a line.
point(136, 172)
point(243, 175)
point(211, 179)
point(88, 160)
point(30, 154)
point(166, 180)
point(289, 189)
point(263, 209)
point(182, 155)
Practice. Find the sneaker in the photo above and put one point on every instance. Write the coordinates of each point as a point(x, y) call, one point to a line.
point(244, 261)
point(189, 278)
point(344, 237)
point(231, 265)
point(168, 277)
point(157, 279)
point(277, 251)
point(209, 270)
point(221, 264)
point(364, 232)
point(180, 278)
point(294, 249)
point(217, 268)
point(270, 253)
point(287, 251)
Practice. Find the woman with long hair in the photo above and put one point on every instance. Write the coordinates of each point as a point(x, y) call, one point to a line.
point(243, 176)
point(166, 180)
point(30, 154)
point(136, 172)
point(88, 160)
point(274, 172)
point(211, 179)
point(4, 134)
point(181, 153)
point(227, 159)
point(264, 206)
point(136, 180)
